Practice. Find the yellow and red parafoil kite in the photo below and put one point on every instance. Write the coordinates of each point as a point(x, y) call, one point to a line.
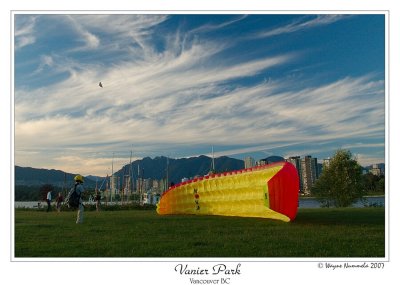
point(269, 191)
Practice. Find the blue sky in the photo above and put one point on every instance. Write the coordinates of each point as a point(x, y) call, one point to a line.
point(176, 85)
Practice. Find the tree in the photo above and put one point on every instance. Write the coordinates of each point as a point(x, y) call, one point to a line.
point(380, 187)
point(26, 193)
point(44, 189)
point(370, 182)
point(374, 184)
point(340, 183)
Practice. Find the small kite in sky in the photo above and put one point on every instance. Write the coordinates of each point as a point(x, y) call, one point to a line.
point(100, 84)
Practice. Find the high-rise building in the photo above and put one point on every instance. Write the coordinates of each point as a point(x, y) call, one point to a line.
point(308, 172)
point(249, 162)
point(377, 170)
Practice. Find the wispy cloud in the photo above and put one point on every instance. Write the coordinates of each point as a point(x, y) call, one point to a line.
point(45, 61)
point(213, 27)
point(24, 32)
point(122, 33)
point(305, 23)
point(90, 41)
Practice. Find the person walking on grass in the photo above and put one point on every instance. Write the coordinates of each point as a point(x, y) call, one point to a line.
point(97, 198)
point(48, 200)
point(59, 201)
point(79, 190)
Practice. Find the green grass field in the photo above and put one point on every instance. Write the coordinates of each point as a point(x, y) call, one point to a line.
point(352, 232)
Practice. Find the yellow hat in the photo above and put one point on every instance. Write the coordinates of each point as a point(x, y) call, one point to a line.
point(78, 178)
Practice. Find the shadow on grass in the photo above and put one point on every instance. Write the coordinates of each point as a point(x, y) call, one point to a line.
point(341, 216)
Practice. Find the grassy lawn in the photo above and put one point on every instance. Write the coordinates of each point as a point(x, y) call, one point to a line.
point(353, 232)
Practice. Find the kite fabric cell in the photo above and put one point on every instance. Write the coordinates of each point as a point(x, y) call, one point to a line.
point(268, 191)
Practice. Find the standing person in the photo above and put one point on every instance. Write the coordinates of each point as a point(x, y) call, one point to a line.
point(97, 198)
point(79, 190)
point(59, 200)
point(48, 200)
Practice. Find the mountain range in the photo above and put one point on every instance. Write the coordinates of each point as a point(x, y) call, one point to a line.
point(153, 168)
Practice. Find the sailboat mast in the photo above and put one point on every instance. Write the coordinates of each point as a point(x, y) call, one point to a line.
point(138, 174)
point(167, 182)
point(213, 164)
point(112, 178)
point(130, 174)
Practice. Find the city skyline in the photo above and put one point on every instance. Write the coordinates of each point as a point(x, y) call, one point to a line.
point(178, 85)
